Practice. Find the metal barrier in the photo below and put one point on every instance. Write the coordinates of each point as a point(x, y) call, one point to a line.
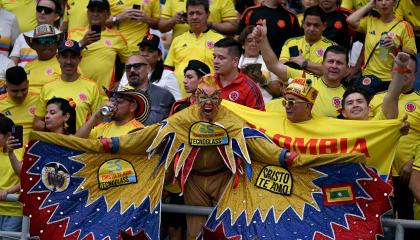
point(399, 224)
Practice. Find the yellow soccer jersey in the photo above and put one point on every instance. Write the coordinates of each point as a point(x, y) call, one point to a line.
point(220, 10)
point(416, 167)
point(354, 4)
point(75, 14)
point(103, 51)
point(313, 53)
point(373, 27)
point(407, 104)
point(110, 129)
point(42, 72)
point(134, 31)
point(328, 101)
point(9, 179)
point(24, 11)
point(275, 105)
point(84, 92)
point(187, 47)
point(409, 12)
point(22, 114)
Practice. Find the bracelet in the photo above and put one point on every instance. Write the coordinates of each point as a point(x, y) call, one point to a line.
point(399, 69)
point(115, 144)
point(282, 157)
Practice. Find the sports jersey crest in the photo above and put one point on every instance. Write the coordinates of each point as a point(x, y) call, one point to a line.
point(338, 25)
point(234, 95)
point(320, 52)
point(210, 44)
point(336, 102)
point(281, 23)
point(410, 107)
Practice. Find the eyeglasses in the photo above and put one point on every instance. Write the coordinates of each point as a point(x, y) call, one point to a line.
point(46, 40)
point(46, 10)
point(291, 102)
point(136, 66)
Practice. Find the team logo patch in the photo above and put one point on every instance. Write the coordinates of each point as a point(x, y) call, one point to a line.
point(320, 52)
point(336, 101)
point(55, 177)
point(207, 134)
point(233, 96)
point(149, 37)
point(108, 43)
point(410, 107)
point(49, 71)
point(338, 25)
point(31, 110)
point(339, 194)
point(146, 1)
point(366, 81)
point(281, 23)
point(83, 97)
point(275, 179)
point(209, 44)
point(116, 172)
point(68, 43)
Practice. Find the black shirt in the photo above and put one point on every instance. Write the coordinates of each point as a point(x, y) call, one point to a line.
point(337, 28)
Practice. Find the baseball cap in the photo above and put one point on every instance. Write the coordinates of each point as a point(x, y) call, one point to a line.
point(70, 45)
point(199, 67)
point(99, 3)
point(152, 41)
point(301, 87)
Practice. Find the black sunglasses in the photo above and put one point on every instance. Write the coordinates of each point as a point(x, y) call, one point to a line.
point(46, 10)
point(135, 66)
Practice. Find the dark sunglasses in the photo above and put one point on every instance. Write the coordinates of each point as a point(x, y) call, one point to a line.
point(46, 40)
point(46, 10)
point(291, 102)
point(136, 66)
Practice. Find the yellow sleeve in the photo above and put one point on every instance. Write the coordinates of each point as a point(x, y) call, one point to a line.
point(228, 11)
point(170, 58)
point(347, 4)
point(66, 16)
point(41, 104)
point(263, 150)
point(155, 9)
point(399, 10)
point(408, 39)
point(293, 73)
point(416, 163)
point(167, 11)
point(363, 24)
point(285, 55)
point(122, 50)
point(96, 100)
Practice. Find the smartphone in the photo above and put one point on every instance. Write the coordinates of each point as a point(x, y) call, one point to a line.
point(252, 69)
point(294, 51)
point(96, 28)
point(136, 6)
point(17, 133)
point(184, 15)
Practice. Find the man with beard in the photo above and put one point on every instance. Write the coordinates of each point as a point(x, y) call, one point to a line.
point(137, 69)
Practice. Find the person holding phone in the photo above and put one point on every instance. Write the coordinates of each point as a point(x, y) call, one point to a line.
point(100, 45)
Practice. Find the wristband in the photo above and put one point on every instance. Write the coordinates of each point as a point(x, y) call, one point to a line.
point(105, 145)
point(399, 69)
point(282, 157)
point(115, 144)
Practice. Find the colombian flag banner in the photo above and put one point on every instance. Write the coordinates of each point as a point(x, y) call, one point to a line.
point(375, 139)
point(69, 192)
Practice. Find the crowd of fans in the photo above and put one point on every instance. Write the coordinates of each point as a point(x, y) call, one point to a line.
point(62, 62)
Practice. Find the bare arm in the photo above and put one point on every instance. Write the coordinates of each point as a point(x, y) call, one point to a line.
point(84, 130)
point(270, 58)
point(39, 123)
point(414, 184)
point(354, 19)
point(228, 27)
point(166, 25)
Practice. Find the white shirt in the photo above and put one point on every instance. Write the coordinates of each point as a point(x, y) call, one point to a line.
point(9, 31)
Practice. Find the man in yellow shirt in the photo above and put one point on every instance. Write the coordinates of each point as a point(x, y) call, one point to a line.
point(100, 47)
point(222, 19)
point(129, 109)
point(334, 68)
point(70, 84)
point(44, 40)
point(307, 51)
point(18, 103)
point(134, 18)
point(199, 40)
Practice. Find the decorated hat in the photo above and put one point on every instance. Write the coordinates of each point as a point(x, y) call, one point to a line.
point(99, 4)
point(152, 41)
point(70, 45)
point(301, 87)
point(43, 31)
point(199, 67)
point(142, 99)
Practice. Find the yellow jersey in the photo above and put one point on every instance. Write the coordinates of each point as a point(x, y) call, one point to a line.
point(354, 4)
point(373, 27)
point(110, 129)
point(409, 12)
point(75, 14)
point(416, 167)
point(134, 31)
point(328, 101)
point(84, 92)
point(409, 104)
point(220, 10)
point(24, 11)
point(9, 179)
point(313, 53)
point(103, 51)
point(21, 114)
point(182, 48)
point(42, 72)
